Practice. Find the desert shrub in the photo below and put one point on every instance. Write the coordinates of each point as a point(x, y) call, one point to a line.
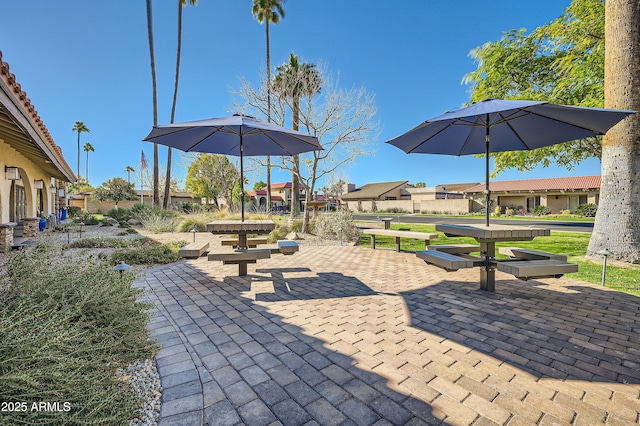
point(69, 322)
point(157, 220)
point(565, 212)
point(121, 215)
point(146, 255)
point(86, 218)
point(139, 210)
point(339, 226)
point(541, 211)
point(509, 212)
point(195, 220)
point(587, 210)
point(73, 211)
point(129, 230)
point(101, 243)
point(296, 226)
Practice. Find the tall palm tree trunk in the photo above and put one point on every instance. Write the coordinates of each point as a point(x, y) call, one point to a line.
point(266, 26)
point(167, 183)
point(617, 224)
point(156, 171)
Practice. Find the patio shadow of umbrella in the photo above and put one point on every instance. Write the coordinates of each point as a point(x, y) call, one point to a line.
point(237, 135)
point(496, 125)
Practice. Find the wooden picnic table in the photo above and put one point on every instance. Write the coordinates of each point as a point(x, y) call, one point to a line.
point(487, 236)
point(242, 256)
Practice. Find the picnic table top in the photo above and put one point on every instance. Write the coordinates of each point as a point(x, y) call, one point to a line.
point(237, 227)
point(493, 232)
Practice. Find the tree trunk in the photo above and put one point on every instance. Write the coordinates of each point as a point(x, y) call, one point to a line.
point(167, 182)
point(156, 197)
point(266, 26)
point(617, 224)
point(295, 174)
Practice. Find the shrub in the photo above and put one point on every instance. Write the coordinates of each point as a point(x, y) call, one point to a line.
point(195, 220)
point(69, 322)
point(127, 231)
point(157, 220)
point(146, 255)
point(541, 211)
point(565, 212)
point(121, 215)
point(509, 212)
point(86, 218)
point(587, 210)
point(73, 211)
point(339, 226)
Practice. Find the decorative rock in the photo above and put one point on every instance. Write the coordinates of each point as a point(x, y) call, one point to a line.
point(293, 236)
point(134, 222)
point(144, 379)
point(110, 220)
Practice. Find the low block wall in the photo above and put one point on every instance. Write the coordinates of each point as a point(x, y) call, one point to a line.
point(381, 206)
point(446, 206)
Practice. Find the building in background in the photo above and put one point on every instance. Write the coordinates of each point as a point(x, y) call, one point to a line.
point(34, 174)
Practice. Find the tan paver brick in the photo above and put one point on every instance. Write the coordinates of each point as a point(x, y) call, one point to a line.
point(454, 411)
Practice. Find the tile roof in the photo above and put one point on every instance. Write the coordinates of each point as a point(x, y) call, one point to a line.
point(545, 184)
point(372, 190)
point(9, 79)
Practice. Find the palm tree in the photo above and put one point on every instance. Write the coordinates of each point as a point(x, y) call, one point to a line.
point(167, 182)
point(129, 169)
point(295, 81)
point(620, 187)
point(79, 127)
point(266, 11)
point(88, 148)
point(156, 194)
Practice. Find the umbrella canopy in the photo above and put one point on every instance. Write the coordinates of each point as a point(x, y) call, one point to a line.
point(495, 125)
point(237, 135)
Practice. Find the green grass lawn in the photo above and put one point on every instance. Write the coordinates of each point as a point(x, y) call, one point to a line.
point(620, 277)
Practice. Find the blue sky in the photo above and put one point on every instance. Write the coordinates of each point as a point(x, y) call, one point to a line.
point(89, 61)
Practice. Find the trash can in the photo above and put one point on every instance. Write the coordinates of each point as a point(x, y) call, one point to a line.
point(42, 225)
point(63, 214)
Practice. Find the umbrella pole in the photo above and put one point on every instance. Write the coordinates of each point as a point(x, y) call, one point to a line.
point(241, 178)
point(487, 138)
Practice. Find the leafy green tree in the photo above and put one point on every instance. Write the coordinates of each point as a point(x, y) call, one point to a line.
point(167, 181)
point(259, 185)
point(212, 176)
point(88, 148)
point(80, 128)
point(81, 186)
point(116, 190)
point(268, 11)
point(421, 185)
point(561, 62)
point(295, 81)
point(617, 224)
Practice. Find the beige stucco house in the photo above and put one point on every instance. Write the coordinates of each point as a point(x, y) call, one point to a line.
point(34, 174)
point(378, 196)
point(558, 194)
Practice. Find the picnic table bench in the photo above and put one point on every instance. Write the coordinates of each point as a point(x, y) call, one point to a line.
point(242, 257)
point(193, 250)
point(373, 232)
point(251, 242)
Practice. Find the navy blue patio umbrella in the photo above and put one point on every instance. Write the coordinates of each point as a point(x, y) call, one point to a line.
point(495, 125)
point(237, 135)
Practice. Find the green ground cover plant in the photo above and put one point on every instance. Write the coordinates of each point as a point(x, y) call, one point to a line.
point(66, 324)
point(620, 277)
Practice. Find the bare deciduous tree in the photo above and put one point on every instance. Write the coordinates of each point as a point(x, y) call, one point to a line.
point(341, 119)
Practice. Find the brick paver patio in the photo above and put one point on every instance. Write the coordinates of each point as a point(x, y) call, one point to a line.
point(350, 335)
